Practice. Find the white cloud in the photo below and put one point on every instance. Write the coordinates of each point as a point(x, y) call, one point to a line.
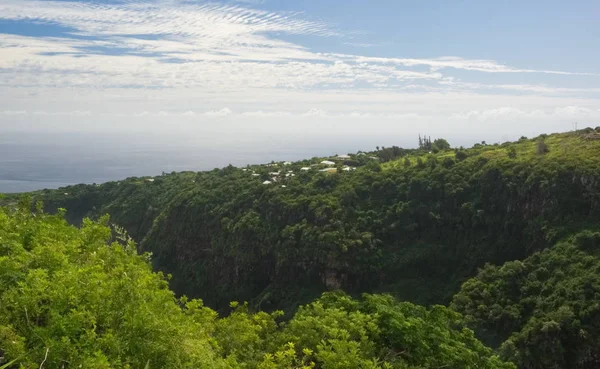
point(516, 114)
point(487, 66)
point(315, 113)
point(219, 113)
point(176, 44)
point(74, 113)
point(192, 62)
point(14, 112)
point(359, 44)
point(263, 114)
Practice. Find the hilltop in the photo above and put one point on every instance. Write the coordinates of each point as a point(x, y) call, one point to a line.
point(415, 223)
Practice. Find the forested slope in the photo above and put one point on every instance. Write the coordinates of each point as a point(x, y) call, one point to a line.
point(544, 311)
point(81, 298)
point(521, 219)
point(414, 223)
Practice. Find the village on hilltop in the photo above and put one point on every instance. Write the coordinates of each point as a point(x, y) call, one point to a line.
point(285, 170)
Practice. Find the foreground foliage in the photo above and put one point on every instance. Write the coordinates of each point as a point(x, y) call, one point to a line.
point(83, 298)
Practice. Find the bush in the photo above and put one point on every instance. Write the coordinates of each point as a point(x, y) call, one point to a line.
point(541, 147)
point(447, 163)
point(461, 155)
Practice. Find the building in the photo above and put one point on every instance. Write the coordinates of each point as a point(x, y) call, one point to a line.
point(328, 170)
point(327, 162)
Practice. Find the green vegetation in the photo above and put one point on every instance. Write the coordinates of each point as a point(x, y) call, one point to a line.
point(520, 219)
point(416, 226)
point(72, 298)
point(543, 312)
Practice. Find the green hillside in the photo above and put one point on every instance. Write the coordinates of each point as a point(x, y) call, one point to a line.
point(544, 311)
point(72, 298)
point(414, 223)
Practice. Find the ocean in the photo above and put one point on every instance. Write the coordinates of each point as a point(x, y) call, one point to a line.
point(37, 160)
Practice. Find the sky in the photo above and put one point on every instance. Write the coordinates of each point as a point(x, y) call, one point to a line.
point(313, 70)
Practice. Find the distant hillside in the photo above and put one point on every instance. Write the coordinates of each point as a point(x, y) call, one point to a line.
point(412, 222)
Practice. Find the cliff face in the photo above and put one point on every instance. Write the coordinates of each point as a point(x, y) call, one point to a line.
point(426, 241)
point(417, 231)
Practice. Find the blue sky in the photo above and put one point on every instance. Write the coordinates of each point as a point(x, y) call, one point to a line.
point(545, 34)
point(486, 67)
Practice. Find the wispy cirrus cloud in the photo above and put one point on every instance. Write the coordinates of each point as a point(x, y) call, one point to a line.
point(183, 44)
point(454, 62)
point(209, 61)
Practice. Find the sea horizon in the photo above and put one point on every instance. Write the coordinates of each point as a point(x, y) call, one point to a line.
point(36, 161)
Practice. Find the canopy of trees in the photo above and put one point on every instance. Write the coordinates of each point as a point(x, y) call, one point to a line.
point(416, 230)
point(542, 312)
point(416, 225)
point(84, 298)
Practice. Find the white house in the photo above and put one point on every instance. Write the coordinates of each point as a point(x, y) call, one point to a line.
point(327, 162)
point(305, 168)
point(266, 182)
point(342, 157)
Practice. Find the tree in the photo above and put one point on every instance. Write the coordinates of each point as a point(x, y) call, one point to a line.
point(432, 161)
point(541, 147)
point(73, 296)
point(461, 155)
point(441, 144)
point(373, 166)
point(417, 232)
point(425, 143)
point(406, 162)
point(448, 162)
point(512, 152)
point(541, 312)
point(420, 163)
